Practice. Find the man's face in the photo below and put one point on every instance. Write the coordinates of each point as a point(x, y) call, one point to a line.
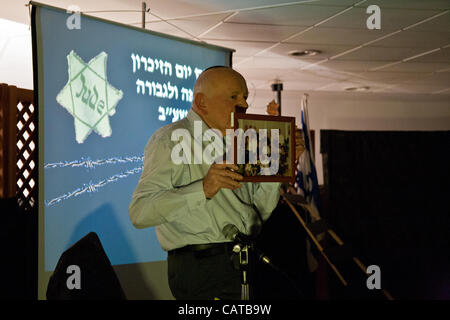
point(228, 94)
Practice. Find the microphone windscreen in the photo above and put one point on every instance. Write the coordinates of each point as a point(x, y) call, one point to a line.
point(230, 231)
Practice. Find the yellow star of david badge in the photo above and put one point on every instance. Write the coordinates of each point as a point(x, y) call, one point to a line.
point(88, 96)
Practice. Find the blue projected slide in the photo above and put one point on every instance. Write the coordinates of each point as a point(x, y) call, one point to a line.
point(103, 90)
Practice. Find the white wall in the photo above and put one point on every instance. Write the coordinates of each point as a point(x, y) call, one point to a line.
point(16, 62)
point(360, 111)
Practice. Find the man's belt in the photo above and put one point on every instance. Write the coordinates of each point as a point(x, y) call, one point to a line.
point(204, 250)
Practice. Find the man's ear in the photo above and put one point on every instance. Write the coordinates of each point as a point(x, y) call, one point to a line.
point(200, 103)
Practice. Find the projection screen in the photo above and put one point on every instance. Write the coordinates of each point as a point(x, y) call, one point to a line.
point(102, 89)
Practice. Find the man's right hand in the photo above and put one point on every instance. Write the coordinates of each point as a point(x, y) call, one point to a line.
point(219, 176)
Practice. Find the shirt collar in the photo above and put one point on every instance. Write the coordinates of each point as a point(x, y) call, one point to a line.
point(193, 116)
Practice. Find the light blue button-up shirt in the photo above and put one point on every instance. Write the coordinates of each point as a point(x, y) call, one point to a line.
point(170, 196)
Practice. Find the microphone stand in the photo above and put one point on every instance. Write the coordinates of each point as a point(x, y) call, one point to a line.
point(245, 249)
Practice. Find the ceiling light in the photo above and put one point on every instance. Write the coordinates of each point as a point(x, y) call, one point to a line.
point(365, 88)
point(308, 52)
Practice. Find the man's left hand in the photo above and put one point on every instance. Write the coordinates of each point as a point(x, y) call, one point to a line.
point(273, 108)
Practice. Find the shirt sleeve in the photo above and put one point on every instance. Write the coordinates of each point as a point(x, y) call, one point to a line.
point(156, 200)
point(265, 197)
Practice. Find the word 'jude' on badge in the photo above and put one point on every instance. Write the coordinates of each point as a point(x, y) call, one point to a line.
point(88, 96)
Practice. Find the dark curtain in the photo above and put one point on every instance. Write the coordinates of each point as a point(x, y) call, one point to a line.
point(389, 200)
point(283, 240)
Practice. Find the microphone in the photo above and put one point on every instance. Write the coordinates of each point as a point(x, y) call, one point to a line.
point(231, 232)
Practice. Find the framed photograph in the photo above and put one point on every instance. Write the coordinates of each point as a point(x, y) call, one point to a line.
point(264, 147)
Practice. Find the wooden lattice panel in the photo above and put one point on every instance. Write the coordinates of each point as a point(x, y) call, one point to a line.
point(18, 146)
point(26, 172)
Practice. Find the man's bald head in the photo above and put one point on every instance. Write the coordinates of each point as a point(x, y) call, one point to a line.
point(211, 78)
point(217, 93)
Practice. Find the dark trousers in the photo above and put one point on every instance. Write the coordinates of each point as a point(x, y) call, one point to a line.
point(196, 277)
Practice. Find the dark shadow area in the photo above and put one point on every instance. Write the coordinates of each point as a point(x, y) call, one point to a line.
point(388, 201)
point(283, 240)
point(18, 246)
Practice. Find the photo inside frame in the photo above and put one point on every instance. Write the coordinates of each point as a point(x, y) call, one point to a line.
point(264, 149)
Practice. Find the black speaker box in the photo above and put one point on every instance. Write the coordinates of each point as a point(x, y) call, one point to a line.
point(97, 279)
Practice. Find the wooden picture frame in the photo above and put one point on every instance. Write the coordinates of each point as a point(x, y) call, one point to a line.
point(286, 127)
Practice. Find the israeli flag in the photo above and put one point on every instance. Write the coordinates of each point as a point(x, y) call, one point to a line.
point(307, 183)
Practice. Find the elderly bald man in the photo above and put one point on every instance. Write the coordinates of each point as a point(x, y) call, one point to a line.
point(191, 203)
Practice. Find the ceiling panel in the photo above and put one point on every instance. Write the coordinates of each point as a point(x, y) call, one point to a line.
point(258, 27)
point(442, 55)
point(339, 36)
point(253, 84)
point(342, 85)
point(302, 85)
point(166, 28)
point(381, 54)
point(410, 4)
point(261, 73)
point(416, 39)
point(306, 76)
point(341, 3)
point(176, 8)
point(443, 91)
point(134, 18)
point(402, 90)
point(200, 24)
point(283, 49)
point(252, 32)
point(391, 19)
point(330, 74)
point(281, 75)
point(352, 66)
point(391, 77)
point(243, 48)
point(299, 15)
point(419, 88)
point(237, 60)
point(439, 24)
point(416, 67)
point(273, 63)
point(220, 5)
point(441, 78)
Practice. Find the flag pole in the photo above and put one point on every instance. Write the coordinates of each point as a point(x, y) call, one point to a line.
point(304, 103)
